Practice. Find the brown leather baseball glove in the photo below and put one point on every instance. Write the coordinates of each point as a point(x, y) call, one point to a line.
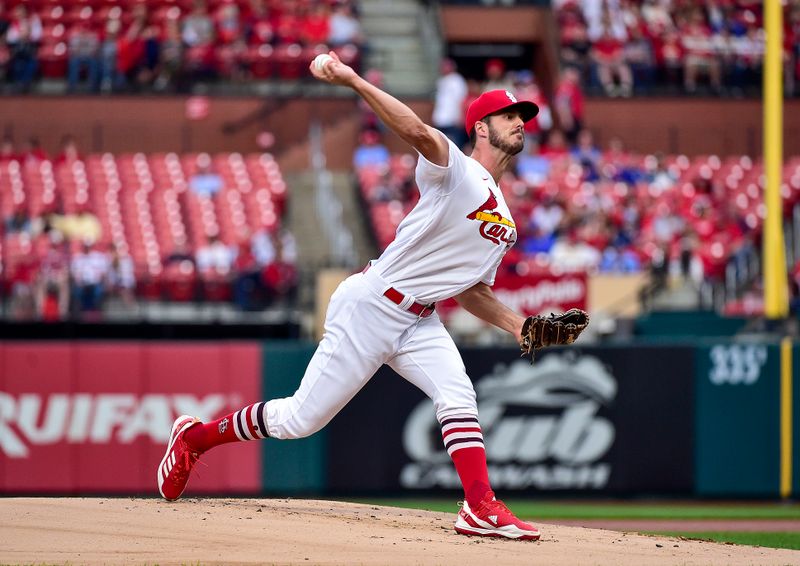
point(541, 331)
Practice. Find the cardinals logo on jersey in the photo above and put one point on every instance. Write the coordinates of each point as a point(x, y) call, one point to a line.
point(494, 227)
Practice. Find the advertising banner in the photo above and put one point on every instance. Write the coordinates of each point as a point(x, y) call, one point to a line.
point(589, 420)
point(537, 293)
point(94, 417)
point(738, 419)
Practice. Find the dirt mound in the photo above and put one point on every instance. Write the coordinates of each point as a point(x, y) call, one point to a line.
point(291, 531)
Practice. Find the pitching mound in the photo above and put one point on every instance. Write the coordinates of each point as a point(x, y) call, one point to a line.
point(290, 531)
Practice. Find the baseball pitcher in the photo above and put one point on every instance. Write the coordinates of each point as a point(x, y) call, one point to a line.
point(449, 245)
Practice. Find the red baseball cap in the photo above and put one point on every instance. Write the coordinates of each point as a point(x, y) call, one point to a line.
point(495, 101)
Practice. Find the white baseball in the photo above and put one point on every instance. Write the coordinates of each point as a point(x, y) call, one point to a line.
point(321, 60)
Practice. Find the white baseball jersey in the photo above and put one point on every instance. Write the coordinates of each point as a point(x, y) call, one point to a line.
point(455, 236)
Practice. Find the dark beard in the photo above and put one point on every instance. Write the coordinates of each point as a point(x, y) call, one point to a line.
point(511, 148)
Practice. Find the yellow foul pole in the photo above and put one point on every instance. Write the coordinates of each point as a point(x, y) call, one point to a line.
point(776, 294)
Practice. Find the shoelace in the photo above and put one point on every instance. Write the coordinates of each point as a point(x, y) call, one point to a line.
point(184, 465)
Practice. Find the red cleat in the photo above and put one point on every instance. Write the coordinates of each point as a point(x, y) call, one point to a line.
point(491, 518)
point(173, 472)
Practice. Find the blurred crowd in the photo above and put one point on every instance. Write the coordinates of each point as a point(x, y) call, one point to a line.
point(714, 46)
point(578, 206)
point(157, 45)
point(58, 264)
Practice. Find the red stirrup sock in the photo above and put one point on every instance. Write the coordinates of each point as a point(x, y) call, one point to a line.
point(464, 442)
point(246, 424)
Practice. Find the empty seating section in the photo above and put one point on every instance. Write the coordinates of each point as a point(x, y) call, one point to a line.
point(144, 203)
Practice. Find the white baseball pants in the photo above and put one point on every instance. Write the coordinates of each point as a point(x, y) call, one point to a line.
point(364, 330)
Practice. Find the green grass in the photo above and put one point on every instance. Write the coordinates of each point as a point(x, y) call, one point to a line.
point(545, 510)
point(770, 540)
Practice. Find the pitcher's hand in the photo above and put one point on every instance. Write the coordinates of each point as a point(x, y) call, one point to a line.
point(334, 72)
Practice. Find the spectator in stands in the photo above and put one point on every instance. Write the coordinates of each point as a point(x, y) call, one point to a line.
point(107, 57)
point(496, 77)
point(451, 90)
point(569, 103)
point(263, 246)
point(620, 260)
point(473, 92)
point(588, 155)
point(315, 26)
point(33, 152)
point(659, 176)
point(69, 151)
point(21, 279)
point(548, 215)
point(288, 24)
point(121, 279)
point(82, 52)
point(215, 256)
point(656, 16)
point(344, 26)
point(247, 287)
point(575, 43)
point(532, 167)
point(232, 62)
point(82, 226)
point(19, 222)
point(791, 70)
point(747, 53)
point(149, 61)
point(525, 88)
point(370, 152)
point(279, 277)
point(197, 28)
point(556, 147)
point(168, 72)
point(197, 32)
point(5, 59)
point(51, 288)
point(7, 152)
point(669, 58)
point(5, 21)
point(258, 24)
point(599, 14)
point(179, 254)
point(700, 57)
point(228, 23)
point(569, 253)
point(638, 54)
point(612, 69)
point(205, 182)
point(130, 55)
point(89, 271)
point(23, 37)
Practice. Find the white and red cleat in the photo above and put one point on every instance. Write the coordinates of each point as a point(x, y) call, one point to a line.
point(491, 518)
point(173, 472)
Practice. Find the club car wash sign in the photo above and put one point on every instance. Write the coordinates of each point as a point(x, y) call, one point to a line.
point(543, 426)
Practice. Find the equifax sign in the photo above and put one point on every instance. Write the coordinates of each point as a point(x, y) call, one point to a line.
point(28, 419)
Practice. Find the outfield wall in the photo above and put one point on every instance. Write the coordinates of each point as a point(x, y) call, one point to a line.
point(680, 419)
